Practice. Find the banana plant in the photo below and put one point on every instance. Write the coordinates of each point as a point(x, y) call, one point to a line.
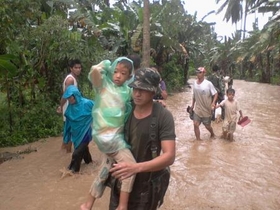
point(7, 67)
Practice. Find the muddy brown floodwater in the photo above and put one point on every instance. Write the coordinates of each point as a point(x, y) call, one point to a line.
point(208, 174)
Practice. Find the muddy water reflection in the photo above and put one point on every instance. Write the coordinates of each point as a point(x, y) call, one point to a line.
point(216, 174)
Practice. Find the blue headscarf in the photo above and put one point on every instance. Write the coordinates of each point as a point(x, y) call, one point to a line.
point(78, 117)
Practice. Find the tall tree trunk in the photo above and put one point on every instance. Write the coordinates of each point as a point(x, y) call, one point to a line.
point(146, 35)
point(267, 74)
point(244, 32)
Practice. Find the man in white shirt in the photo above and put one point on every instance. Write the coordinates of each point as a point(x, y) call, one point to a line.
point(70, 79)
point(203, 103)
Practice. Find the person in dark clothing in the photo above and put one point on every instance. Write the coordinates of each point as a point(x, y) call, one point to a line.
point(217, 81)
point(151, 170)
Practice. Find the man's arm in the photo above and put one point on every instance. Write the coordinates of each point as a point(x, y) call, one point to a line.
point(193, 102)
point(214, 100)
point(166, 158)
point(69, 81)
point(214, 94)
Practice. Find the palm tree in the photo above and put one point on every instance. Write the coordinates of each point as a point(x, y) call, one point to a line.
point(234, 10)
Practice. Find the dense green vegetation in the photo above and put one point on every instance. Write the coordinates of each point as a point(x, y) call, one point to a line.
point(38, 38)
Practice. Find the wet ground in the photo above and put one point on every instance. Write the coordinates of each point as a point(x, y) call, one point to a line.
point(208, 174)
point(218, 174)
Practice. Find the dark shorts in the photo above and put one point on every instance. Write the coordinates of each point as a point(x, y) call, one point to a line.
point(204, 120)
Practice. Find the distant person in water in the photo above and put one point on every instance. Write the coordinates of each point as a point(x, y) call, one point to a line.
point(203, 103)
point(231, 107)
point(218, 83)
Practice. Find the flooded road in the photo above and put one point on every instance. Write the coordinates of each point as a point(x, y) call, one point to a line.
point(207, 175)
point(218, 174)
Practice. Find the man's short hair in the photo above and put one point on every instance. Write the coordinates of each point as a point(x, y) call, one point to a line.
point(73, 62)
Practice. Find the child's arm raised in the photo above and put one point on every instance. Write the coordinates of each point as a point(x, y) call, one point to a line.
point(95, 75)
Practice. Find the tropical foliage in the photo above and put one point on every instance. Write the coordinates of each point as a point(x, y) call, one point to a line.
point(38, 38)
point(257, 56)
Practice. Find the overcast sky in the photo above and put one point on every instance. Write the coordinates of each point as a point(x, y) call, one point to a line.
point(222, 28)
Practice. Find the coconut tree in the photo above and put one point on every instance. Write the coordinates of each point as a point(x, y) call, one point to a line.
point(234, 10)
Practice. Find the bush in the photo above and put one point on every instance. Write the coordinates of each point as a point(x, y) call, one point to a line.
point(29, 123)
point(173, 75)
point(275, 80)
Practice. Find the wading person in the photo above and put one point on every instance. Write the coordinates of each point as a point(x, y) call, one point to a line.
point(78, 126)
point(218, 83)
point(231, 107)
point(151, 133)
point(203, 102)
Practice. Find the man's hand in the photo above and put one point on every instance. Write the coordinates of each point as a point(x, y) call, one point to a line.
point(59, 110)
point(124, 170)
point(213, 106)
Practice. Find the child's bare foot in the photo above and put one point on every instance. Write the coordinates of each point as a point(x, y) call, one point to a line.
point(84, 207)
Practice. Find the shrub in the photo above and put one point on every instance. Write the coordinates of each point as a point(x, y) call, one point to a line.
point(29, 123)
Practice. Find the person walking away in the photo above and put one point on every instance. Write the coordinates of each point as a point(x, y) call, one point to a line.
point(203, 102)
point(218, 83)
point(150, 131)
point(112, 107)
point(231, 107)
point(78, 126)
point(71, 79)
